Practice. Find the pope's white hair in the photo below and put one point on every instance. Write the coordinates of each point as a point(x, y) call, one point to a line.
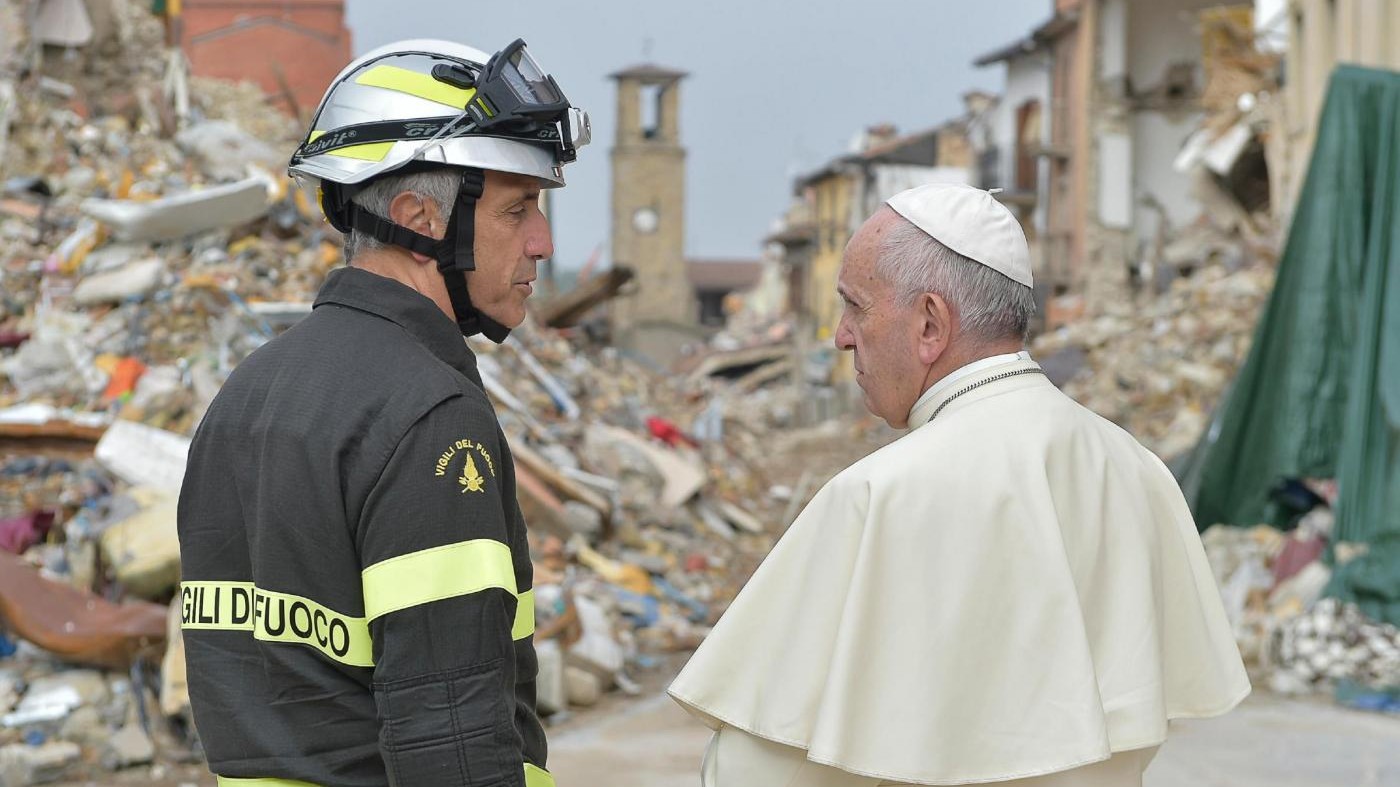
point(438, 185)
point(990, 306)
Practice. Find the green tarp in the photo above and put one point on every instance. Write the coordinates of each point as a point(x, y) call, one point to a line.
point(1372, 581)
point(1319, 394)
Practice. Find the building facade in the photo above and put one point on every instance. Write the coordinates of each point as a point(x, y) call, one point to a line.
point(292, 49)
point(1125, 95)
point(1320, 35)
point(1021, 130)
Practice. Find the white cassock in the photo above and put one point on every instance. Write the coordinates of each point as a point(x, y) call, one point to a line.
point(1012, 592)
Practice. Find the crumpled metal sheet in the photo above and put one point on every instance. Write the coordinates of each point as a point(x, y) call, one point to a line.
point(73, 625)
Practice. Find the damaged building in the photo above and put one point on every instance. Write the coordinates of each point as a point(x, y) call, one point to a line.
point(1126, 85)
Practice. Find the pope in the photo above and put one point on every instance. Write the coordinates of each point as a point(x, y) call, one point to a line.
point(1012, 592)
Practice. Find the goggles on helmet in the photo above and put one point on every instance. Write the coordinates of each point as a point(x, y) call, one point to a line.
point(515, 96)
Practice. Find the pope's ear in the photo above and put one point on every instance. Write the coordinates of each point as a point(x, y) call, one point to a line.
point(936, 326)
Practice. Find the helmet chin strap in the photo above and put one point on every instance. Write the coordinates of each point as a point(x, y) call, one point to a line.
point(455, 253)
point(459, 247)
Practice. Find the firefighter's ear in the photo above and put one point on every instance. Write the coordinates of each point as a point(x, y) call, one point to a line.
point(413, 211)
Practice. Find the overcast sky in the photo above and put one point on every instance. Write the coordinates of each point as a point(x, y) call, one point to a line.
point(776, 88)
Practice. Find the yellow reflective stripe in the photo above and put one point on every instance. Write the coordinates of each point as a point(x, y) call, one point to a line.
point(524, 615)
point(227, 782)
point(536, 776)
point(435, 574)
point(370, 151)
point(315, 135)
point(416, 84)
point(341, 637)
point(276, 617)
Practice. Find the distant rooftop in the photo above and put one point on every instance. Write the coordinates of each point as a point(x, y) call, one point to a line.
point(1037, 40)
point(724, 275)
point(919, 148)
point(650, 71)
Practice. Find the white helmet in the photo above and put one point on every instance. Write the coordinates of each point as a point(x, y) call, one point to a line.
point(426, 104)
point(441, 103)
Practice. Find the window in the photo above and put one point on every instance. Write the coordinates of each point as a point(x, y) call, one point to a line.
point(1028, 136)
point(651, 111)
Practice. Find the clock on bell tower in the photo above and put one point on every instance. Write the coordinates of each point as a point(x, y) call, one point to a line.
point(645, 221)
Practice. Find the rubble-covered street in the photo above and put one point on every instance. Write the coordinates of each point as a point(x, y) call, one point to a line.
point(654, 744)
point(1195, 293)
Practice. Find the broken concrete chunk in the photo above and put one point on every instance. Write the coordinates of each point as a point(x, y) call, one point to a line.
point(54, 697)
point(143, 550)
point(90, 686)
point(583, 519)
point(281, 315)
point(63, 23)
point(22, 765)
point(582, 687)
point(11, 683)
point(681, 475)
point(135, 280)
point(113, 257)
point(184, 214)
point(174, 677)
point(739, 517)
point(42, 366)
point(127, 747)
point(144, 455)
point(85, 726)
point(224, 150)
point(550, 693)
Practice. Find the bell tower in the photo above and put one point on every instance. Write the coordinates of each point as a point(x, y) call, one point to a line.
point(648, 202)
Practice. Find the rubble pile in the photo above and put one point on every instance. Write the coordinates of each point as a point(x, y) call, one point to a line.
point(155, 235)
point(1268, 577)
point(1332, 642)
point(142, 256)
point(110, 317)
point(1299, 642)
point(1158, 368)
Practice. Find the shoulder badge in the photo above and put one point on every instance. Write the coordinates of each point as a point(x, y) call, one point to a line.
point(469, 476)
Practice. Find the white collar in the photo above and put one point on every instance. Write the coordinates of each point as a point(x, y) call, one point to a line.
point(963, 372)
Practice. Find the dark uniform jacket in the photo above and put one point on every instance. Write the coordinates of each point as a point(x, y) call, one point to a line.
point(356, 598)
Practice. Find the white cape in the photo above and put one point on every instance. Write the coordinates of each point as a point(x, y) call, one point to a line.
point(1014, 589)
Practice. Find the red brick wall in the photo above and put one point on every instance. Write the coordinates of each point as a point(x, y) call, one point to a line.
point(249, 39)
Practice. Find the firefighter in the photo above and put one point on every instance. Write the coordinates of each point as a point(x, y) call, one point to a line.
point(357, 604)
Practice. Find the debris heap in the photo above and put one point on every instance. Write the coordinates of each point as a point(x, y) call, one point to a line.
point(1159, 369)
